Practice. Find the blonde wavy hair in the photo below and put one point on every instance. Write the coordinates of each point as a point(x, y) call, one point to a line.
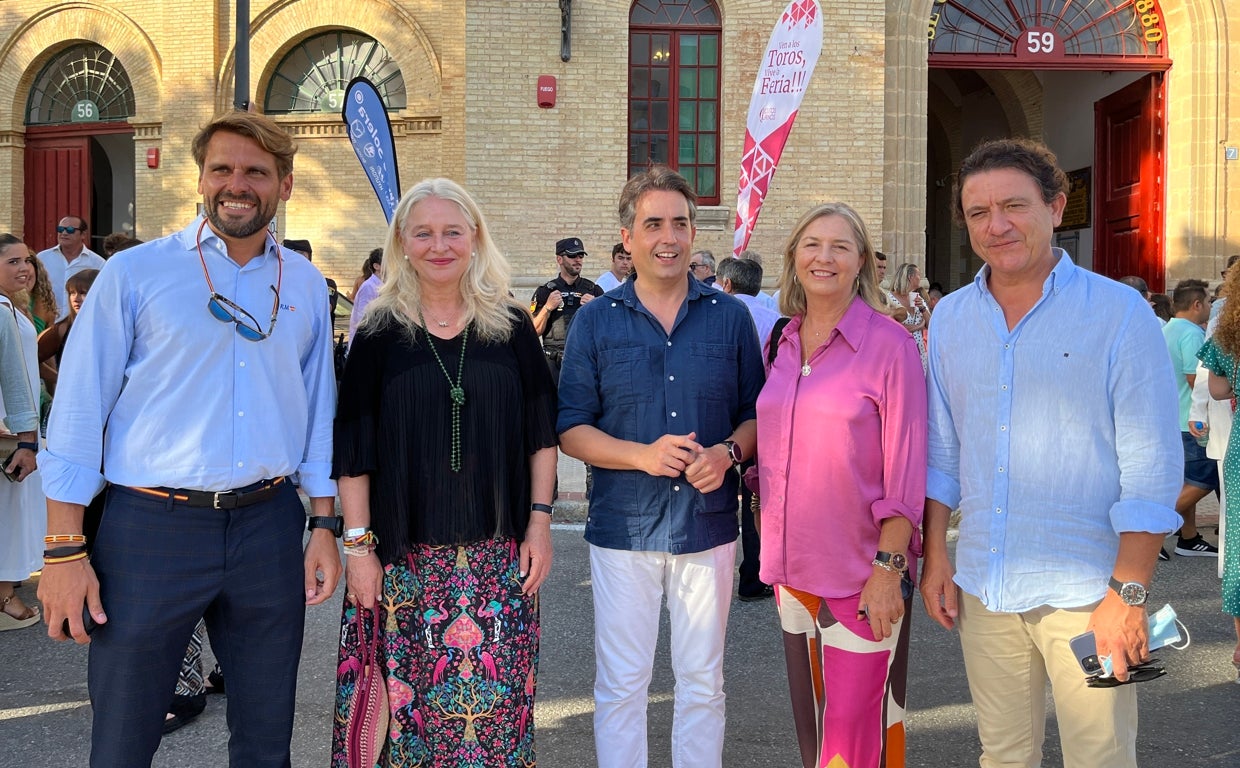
point(792, 293)
point(484, 286)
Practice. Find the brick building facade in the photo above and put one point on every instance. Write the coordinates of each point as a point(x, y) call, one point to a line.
point(881, 127)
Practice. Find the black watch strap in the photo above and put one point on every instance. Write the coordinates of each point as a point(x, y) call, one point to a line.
point(333, 523)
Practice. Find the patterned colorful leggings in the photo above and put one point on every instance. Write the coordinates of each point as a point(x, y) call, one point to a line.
point(848, 691)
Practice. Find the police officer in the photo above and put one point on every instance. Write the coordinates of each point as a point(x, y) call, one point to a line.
point(555, 302)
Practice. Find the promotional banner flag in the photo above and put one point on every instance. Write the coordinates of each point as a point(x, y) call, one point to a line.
point(782, 79)
point(370, 133)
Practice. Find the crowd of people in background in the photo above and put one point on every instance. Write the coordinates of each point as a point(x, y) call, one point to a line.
point(834, 427)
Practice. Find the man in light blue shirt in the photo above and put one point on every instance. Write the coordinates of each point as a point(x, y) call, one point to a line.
point(1052, 417)
point(1184, 335)
point(197, 379)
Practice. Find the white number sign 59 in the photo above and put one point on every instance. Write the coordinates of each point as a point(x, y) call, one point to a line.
point(1040, 42)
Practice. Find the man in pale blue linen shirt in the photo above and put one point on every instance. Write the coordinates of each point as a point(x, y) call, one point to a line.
point(199, 377)
point(1053, 430)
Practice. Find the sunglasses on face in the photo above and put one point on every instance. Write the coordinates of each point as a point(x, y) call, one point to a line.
point(68, 230)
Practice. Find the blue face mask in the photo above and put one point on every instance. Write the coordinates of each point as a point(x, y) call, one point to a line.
point(1166, 630)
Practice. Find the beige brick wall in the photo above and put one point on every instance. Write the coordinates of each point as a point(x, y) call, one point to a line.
point(542, 174)
point(470, 69)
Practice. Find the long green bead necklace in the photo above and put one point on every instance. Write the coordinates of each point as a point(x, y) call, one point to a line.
point(456, 390)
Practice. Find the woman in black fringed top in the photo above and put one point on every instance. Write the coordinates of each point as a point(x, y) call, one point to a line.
point(446, 460)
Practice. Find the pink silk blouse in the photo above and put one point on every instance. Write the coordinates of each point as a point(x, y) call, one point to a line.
point(839, 451)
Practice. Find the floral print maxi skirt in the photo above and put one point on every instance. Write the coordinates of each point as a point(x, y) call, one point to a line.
point(459, 649)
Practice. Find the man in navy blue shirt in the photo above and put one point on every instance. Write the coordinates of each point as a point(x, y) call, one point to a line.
point(657, 393)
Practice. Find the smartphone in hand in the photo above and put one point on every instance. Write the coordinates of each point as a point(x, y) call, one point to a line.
point(1085, 649)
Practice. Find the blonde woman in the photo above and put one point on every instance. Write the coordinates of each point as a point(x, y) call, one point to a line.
point(842, 470)
point(445, 453)
point(906, 291)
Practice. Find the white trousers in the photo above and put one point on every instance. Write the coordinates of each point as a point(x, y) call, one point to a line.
point(628, 587)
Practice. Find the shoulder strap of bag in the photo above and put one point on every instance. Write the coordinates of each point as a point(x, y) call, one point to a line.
point(777, 335)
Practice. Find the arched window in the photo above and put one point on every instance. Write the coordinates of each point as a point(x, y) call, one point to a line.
point(1050, 34)
point(82, 84)
point(313, 76)
point(674, 90)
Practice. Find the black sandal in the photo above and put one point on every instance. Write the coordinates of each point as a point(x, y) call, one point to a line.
point(184, 710)
point(215, 681)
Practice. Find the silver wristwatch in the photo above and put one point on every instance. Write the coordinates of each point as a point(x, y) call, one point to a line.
point(1131, 592)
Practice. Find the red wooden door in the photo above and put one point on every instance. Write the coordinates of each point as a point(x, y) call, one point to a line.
point(58, 184)
point(1129, 168)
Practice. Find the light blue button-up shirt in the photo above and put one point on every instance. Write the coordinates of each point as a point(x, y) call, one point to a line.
point(186, 401)
point(1052, 438)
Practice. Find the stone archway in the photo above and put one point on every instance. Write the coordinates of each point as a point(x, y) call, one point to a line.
point(280, 27)
point(32, 44)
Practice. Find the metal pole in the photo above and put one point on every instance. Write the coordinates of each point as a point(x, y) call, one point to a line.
point(566, 30)
point(241, 72)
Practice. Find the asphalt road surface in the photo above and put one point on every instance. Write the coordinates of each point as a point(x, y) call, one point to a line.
point(1188, 718)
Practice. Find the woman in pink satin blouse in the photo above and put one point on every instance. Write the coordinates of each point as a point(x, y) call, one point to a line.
point(842, 470)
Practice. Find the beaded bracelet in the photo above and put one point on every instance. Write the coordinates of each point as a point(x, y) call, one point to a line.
point(60, 538)
point(56, 560)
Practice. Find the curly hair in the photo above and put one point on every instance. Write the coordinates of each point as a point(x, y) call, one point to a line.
point(1227, 336)
point(42, 297)
point(1024, 155)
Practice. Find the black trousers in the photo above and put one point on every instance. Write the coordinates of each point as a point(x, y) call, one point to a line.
point(749, 584)
point(163, 565)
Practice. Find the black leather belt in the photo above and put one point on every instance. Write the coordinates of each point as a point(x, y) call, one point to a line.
point(238, 497)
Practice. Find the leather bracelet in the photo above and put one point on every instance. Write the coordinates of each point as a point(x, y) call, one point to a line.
point(536, 507)
point(64, 551)
point(32, 447)
point(69, 559)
